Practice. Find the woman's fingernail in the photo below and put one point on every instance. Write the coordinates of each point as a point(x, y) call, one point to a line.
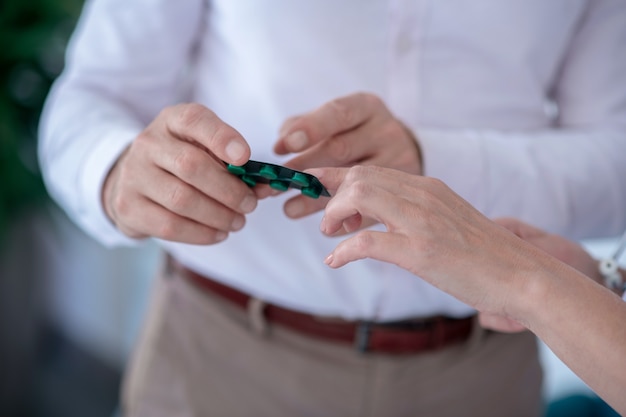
point(323, 225)
point(329, 259)
point(297, 140)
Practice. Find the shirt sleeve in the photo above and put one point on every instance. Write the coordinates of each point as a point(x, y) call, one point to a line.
point(124, 63)
point(568, 179)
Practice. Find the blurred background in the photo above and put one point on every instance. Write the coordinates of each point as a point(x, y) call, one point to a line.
point(70, 309)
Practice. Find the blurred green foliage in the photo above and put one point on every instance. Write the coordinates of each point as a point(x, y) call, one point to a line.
point(33, 35)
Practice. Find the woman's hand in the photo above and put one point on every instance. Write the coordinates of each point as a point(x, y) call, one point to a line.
point(431, 231)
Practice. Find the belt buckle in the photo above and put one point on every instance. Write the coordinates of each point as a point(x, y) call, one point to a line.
point(362, 336)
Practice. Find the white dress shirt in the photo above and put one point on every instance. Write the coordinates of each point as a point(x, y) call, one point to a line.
point(519, 105)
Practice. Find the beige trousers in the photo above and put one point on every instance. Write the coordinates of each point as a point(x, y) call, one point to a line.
point(199, 356)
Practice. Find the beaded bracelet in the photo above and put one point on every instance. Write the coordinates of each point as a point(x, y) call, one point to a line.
point(609, 268)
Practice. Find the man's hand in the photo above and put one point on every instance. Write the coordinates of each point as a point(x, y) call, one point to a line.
point(171, 183)
point(356, 129)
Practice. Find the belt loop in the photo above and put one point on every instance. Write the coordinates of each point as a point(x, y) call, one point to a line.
point(168, 267)
point(256, 316)
point(362, 337)
point(477, 334)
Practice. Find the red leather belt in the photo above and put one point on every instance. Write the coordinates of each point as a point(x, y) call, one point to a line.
point(401, 337)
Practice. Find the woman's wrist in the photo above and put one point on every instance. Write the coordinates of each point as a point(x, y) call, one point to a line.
point(534, 281)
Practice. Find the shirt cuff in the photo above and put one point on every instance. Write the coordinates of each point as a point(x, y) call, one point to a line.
point(93, 173)
point(456, 158)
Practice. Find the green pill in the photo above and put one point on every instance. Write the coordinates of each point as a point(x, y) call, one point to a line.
point(312, 192)
point(249, 180)
point(237, 170)
point(268, 172)
point(300, 179)
point(279, 185)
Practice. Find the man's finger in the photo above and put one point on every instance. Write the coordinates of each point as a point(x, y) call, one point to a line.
point(196, 123)
point(196, 167)
point(180, 198)
point(153, 220)
point(332, 118)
